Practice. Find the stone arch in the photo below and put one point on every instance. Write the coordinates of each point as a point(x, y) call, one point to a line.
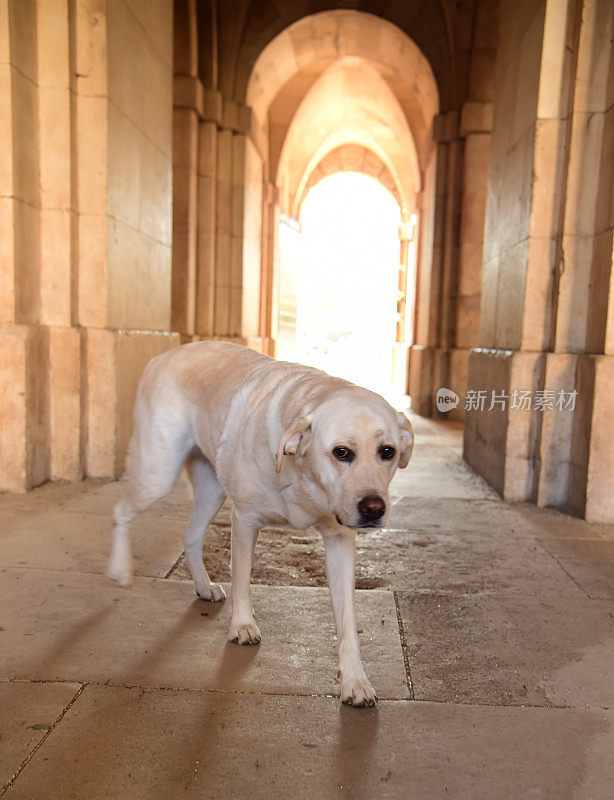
point(292, 62)
point(350, 157)
point(335, 79)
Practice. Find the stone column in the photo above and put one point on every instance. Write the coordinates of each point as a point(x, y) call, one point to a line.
point(24, 343)
point(429, 360)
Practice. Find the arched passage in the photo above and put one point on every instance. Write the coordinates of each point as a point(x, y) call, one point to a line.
point(333, 81)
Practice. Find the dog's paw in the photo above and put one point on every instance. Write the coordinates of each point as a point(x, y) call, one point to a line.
point(358, 693)
point(242, 633)
point(212, 594)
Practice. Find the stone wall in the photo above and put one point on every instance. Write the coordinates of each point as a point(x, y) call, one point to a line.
point(546, 288)
point(85, 199)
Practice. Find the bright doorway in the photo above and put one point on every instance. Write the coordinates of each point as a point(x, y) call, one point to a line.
point(342, 289)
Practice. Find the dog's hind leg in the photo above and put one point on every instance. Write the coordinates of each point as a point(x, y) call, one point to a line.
point(208, 499)
point(156, 456)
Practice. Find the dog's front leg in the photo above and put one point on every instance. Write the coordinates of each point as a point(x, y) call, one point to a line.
point(340, 544)
point(244, 535)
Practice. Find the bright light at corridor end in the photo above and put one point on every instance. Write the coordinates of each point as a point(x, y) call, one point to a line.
point(342, 273)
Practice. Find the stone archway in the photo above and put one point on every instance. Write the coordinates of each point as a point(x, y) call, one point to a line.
point(332, 81)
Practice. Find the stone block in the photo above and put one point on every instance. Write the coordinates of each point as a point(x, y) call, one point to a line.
point(420, 379)
point(536, 314)
point(446, 127)
point(139, 279)
point(13, 354)
point(481, 75)
point(27, 262)
point(599, 497)
point(222, 310)
point(547, 185)
point(526, 76)
point(581, 434)
point(65, 403)
point(185, 137)
point(158, 91)
point(526, 372)
point(159, 27)
point(101, 403)
point(6, 120)
point(25, 144)
point(594, 55)
point(207, 139)
point(574, 293)
point(205, 282)
point(24, 449)
point(485, 437)
point(475, 117)
point(125, 145)
point(92, 266)
point(587, 130)
point(55, 266)
point(556, 431)
point(91, 63)
point(134, 351)
point(156, 192)
point(52, 44)
point(21, 29)
point(510, 296)
point(555, 64)
point(55, 147)
point(5, 53)
point(91, 147)
point(601, 282)
point(7, 260)
point(127, 63)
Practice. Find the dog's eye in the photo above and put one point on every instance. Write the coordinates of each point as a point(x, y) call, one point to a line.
point(343, 454)
point(386, 452)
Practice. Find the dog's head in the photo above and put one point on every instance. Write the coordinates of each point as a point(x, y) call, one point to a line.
point(350, 447)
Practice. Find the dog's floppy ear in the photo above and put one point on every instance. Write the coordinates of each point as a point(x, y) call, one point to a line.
point(407, 439)
point(291, 439)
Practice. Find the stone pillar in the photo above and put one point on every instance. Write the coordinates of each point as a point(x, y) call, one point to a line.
point(436, 298)
point(207, 206)
point(447, 323)
point(24, 408)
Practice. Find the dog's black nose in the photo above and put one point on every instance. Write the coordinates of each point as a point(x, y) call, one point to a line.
point(372, 508)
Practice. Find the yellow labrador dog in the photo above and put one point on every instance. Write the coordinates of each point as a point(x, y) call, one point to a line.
point(288, 444)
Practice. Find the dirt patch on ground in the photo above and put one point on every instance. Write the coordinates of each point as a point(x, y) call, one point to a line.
point(285, 557)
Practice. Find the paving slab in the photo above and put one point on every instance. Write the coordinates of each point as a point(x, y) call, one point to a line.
point(79, 541)
point(156, 633)
point(480, 515)
point(134, 743)
point(555, 524)
point(101, 499)
point(590, 562)
point(438, 470)
point(510, 650)
point(448, 560)
point(28, 711)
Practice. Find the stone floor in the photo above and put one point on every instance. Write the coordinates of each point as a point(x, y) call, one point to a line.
point(487, 630)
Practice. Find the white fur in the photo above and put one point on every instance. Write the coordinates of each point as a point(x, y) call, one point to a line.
point(262, 432)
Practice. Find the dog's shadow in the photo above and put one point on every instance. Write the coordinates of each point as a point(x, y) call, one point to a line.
point(356, 750)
